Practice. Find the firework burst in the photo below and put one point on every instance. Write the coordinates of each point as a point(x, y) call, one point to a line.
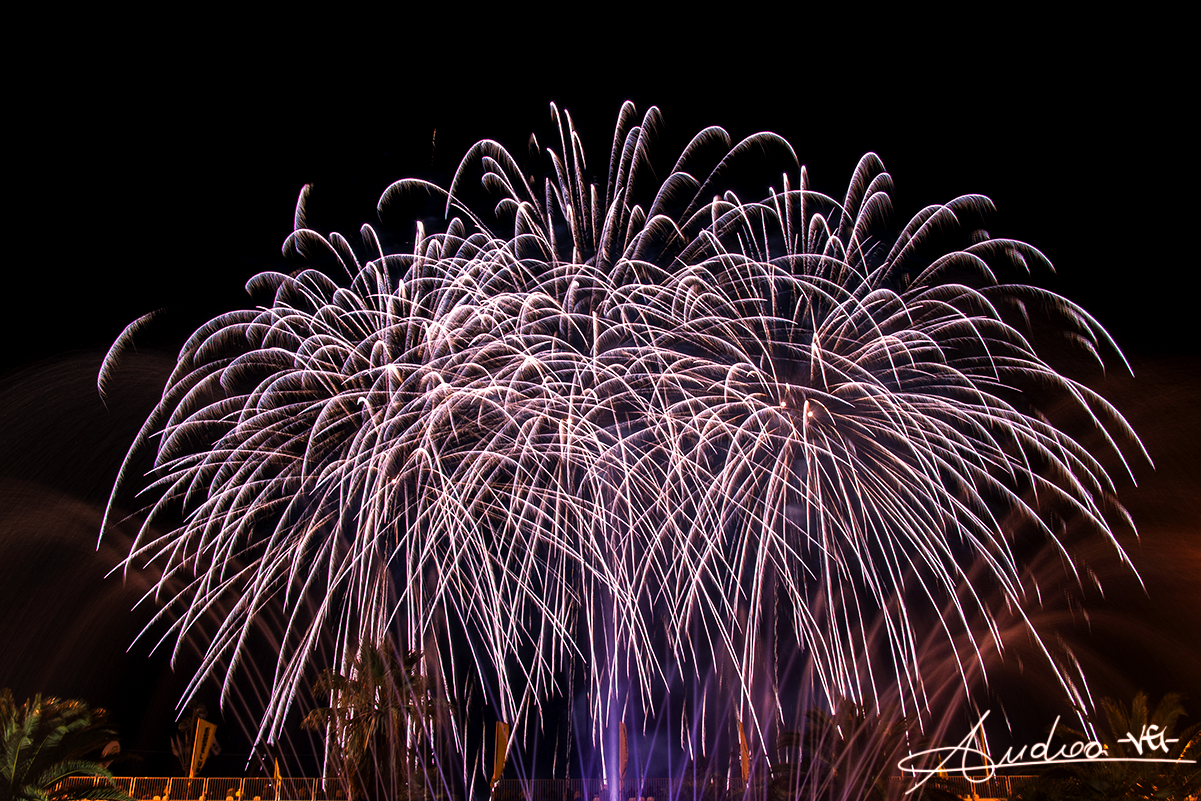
point(617, 427)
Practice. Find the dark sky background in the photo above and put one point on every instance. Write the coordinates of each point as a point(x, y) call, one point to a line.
point(163, 174)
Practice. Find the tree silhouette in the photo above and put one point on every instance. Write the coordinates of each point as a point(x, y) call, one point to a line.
point(378, 723)
point(852, 754)
point(46, 740)
point(1117, 726)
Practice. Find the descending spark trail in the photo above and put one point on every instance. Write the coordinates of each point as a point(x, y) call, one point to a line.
point(614, 436)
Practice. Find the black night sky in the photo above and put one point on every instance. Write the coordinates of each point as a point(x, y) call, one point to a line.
point(164, 173)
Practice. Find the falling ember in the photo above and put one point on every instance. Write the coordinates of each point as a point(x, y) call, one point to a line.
point(610, 427)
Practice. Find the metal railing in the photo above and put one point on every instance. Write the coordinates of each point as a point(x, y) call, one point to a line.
point(713, 788)
point(154, 788)
point(997, 786)
point(150, 788)
point(641, 789)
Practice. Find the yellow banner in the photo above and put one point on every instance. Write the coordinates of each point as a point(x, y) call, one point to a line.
point(623, 752)
point(746, 753)
point(502, 751)
point(201, 746)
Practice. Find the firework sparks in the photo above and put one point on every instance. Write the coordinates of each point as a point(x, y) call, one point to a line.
point(611, 426)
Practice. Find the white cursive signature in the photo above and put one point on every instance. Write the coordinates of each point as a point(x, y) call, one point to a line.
point(969, 761)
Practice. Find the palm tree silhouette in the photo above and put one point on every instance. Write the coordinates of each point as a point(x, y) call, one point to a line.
point(1121, 730)
point(378, 723)
point(850, 754)
point(46, 740)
